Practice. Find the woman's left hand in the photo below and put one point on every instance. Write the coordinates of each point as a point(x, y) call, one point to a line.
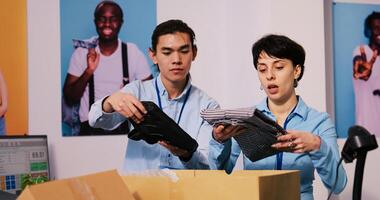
point(298, 142)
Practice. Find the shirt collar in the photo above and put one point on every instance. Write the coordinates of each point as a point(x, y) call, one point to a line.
point(164, 92)
point(92, 39)
point(300, 109)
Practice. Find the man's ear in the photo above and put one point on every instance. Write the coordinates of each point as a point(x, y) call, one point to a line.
point(297, 71)
point(195, 51)
point(152, 56)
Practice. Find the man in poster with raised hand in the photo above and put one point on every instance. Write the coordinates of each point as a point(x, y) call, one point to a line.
point(97, 72)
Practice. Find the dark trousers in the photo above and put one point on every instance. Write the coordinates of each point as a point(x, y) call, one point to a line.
point(86, 129)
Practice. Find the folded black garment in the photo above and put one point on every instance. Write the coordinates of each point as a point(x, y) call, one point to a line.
point(158, 126)
point(260, 133)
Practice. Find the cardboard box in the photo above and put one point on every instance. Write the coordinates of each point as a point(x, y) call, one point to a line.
point(99, 186)
point(189, 185)
point(211, 184)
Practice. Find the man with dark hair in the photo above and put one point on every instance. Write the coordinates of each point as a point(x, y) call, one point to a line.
point(97, 72)
point(173, 51)
point(366, 76)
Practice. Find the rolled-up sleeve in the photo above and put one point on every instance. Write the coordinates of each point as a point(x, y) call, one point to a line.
point(97, 118)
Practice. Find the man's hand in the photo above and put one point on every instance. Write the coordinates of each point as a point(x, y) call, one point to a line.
point(298, 142)
point(125, 104)
point(222, 133)
point(362, 67)
point(92, 60)
point(183, 154)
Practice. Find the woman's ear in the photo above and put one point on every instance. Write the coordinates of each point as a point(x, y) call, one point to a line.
point(152, 56)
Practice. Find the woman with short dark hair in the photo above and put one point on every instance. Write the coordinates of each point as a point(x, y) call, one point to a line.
point(311, 139)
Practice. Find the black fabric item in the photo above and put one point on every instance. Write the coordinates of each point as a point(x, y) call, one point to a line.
point(86, 129)
point(157, 126)
point(260, 133)
point(124, 53)
point(91, 94)
point(376, 92)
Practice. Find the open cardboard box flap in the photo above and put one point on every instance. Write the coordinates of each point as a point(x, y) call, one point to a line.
point(98, 186)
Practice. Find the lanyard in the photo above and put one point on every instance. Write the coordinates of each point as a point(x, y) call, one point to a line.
point(279, 161)
point(280, 155)
point(183, 105)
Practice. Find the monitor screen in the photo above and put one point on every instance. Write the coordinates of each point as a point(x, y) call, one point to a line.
point(22, 157)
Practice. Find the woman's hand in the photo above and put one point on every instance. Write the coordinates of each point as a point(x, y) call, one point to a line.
point(298, 142)
point(222, 133)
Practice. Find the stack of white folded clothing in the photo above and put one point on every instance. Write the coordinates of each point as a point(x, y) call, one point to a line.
point(259, 134)
point(227, 116)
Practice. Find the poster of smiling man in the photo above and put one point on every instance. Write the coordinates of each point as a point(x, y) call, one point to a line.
point(103, 47)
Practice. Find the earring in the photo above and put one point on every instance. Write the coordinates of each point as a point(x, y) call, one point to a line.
point(261, 87)
point(295, 83)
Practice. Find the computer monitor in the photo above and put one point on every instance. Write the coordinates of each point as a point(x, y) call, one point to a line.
point(21, 156)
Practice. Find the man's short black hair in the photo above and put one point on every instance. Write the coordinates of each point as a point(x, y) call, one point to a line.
point(107, 2)
point(282, 47)
point(170, 27)
point(367, 23)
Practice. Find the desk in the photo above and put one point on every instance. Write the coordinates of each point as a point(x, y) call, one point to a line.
point(7, 196)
